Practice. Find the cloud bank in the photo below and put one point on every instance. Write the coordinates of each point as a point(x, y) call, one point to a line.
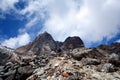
point(118, 41)
point(17, 41)
point(92, 20)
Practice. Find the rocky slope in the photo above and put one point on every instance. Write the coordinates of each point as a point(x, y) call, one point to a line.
point(47, 59)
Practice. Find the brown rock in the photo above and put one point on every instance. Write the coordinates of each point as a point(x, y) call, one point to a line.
point(65, 74)
point(90, 61)
point(115, 62)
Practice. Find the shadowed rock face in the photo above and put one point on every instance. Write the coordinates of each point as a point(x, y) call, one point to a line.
point(73, 42)
point(44, 42)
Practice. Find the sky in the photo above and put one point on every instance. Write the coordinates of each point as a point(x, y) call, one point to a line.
point(94, 21)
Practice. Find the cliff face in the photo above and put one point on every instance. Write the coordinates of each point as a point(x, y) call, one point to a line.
point(47, 59)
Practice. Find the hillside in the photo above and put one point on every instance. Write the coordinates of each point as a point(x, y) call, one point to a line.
point(47, 59)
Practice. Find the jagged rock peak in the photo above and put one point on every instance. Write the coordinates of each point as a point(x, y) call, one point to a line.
point(43, 42)
point(73, 42)
point(44, 36)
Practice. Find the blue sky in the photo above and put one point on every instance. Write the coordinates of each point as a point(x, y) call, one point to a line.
point(94, 21)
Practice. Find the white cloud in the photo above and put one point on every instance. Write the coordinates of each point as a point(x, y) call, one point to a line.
point(5, 5)
point(17, 41)
point(92, 20)
point(118, 40)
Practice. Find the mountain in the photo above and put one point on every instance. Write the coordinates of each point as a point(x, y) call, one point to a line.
point(47, 59)
point(73, 42)
point(44, 42)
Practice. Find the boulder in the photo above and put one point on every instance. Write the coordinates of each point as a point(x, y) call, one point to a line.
point(114, 59)
point(90, 61)
point(115, 62)
point(79, 53)
point(114, 56)
point(107, 67)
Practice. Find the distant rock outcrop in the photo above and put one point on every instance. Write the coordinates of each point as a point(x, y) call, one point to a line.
point(73, 42)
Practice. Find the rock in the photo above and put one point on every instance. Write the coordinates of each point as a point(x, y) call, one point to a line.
point(107, 67)
point(114, 59)
point(112, 48)
point(24, 72)
point(89, 61)
point(73, 42)
point(114, 56)
point(1, 68)
point(11, 72)
point(59, 46)
point(96, 76)
point(65, 74)
point(115, 62)
point(79, 53)
point(5, 54)
point(1, 79)
point(10, 75)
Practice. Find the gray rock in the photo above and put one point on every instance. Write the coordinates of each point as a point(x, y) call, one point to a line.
point(1, 79)
point(114, 56)
point(90, 61)
point(25, 70)
point(1, 68)
point(80, 53)
point(108, 68)
point(11, 72)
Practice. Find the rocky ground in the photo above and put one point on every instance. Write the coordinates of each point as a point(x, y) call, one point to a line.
point(47, 59)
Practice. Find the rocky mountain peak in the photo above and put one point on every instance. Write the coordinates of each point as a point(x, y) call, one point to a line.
point(43, 42)
point(73, 42)
point(43, 37)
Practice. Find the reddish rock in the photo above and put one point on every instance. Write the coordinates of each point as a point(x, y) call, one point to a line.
point(65, 74)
